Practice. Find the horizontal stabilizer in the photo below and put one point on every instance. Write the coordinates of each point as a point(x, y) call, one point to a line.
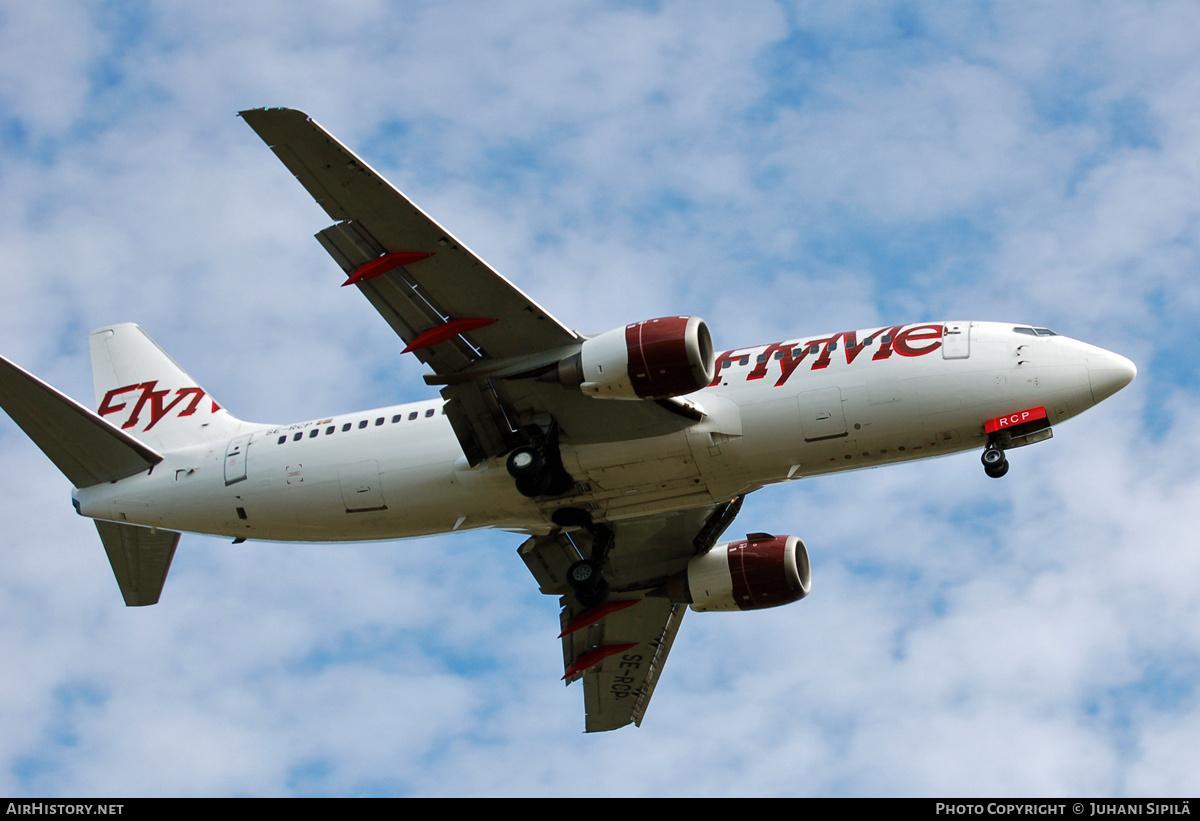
point(87, 449)
point(140, 559)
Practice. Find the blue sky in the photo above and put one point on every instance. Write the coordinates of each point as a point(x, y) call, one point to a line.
point(779, 169)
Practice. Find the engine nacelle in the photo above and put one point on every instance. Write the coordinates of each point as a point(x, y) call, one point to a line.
point(652, 359)
point(754, 573)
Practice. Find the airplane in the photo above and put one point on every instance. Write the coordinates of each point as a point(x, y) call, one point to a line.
point(622, 457)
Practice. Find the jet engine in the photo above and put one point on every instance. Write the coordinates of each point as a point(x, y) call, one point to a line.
point(652, 359)
point(757, 572)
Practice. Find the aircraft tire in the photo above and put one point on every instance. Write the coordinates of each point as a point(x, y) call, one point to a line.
point(992, 457)
point(525, 463)
point(583, 574)
point(536, 485)
point(996, 471)
point(595, 598)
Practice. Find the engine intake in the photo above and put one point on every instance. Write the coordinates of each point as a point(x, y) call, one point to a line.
point(652, 359)
point(752, 574)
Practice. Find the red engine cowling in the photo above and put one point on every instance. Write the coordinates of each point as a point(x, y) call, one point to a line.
point(652, 359)
point(754, 573)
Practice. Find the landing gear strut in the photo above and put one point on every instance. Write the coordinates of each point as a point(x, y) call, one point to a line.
point(586, 577)
point(995, 463)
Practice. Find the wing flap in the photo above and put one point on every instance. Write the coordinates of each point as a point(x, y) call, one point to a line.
point(86, 448)
point(140, 558)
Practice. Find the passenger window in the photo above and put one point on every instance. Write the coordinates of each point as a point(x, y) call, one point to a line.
point(330, 430)
point(379, 421)
point(762, 357)
point(345, 427)
point(397, 418)
point(298, 436)
point(282, 439)
point(833, 346)
point(429, 413)
point(362, 424)
point(312, 434)
point(412, 416)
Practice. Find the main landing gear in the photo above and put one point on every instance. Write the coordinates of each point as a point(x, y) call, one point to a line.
point(586, 576)
point(995, 463)
point(538, 469)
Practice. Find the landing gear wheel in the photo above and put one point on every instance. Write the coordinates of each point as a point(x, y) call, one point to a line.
point(995, 463)
point(590, 586)
point(538, 470)
point(599, 597)
point(525, 463)
point(996, 473)
point(536, 485)
point(583, 574)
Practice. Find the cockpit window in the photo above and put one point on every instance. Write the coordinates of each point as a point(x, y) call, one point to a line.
point(1044, 332)
point(1021, 329)
point(1028, 331)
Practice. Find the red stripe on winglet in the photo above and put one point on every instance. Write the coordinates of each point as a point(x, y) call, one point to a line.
point(593, 657)
point(385, 263)
point(440, 333)
point(594, 614)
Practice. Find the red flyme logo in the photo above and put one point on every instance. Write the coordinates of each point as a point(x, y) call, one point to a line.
point(914, 340)
point(151, 401)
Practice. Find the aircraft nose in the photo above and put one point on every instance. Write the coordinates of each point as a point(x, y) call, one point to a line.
point(1108, 372)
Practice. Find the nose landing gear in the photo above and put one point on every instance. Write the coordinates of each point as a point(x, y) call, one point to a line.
point(995, 463)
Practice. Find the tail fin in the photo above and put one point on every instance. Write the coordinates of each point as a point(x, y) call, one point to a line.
point(142, 391)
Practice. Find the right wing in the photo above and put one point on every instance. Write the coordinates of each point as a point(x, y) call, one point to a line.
point(618, 649)
point(619, 656)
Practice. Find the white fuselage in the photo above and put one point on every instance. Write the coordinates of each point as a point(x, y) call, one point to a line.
point(774, 412)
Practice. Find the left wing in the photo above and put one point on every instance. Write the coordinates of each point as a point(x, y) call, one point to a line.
point(411, 269)
point(482, 337)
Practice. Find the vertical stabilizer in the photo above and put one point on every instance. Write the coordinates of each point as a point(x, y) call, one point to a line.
point(142, 391)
